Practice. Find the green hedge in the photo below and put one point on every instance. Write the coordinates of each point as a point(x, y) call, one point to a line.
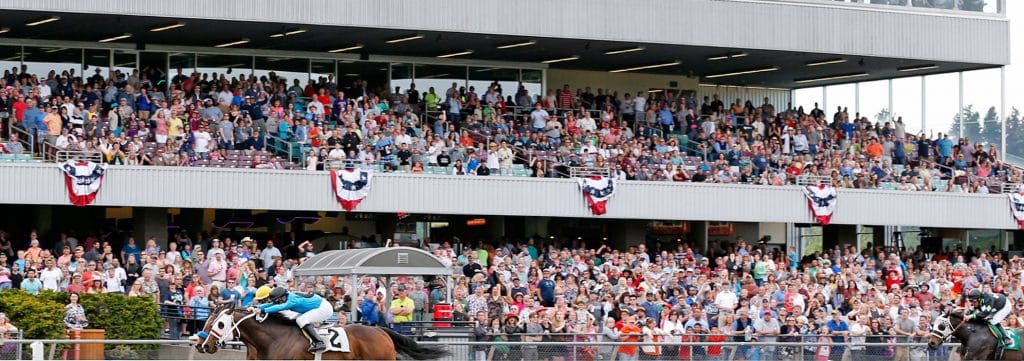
point(125, 318)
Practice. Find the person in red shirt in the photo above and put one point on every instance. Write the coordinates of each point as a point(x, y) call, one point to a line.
point(715, 336)
point(629, 333)
point(19, 108)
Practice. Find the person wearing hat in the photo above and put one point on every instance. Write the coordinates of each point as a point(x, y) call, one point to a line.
point(401, 308)
point(840, 331)
point(629, 332)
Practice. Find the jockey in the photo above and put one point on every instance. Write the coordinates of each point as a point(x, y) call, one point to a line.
point(992, 307)
point(311, 309)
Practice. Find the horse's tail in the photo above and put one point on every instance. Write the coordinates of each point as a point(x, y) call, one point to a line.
point(408, 347)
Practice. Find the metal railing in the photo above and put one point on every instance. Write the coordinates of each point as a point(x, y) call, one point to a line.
point(575, 172)
point(812, 180)
point(66, 155)
point(27, 140)
point(583, 350)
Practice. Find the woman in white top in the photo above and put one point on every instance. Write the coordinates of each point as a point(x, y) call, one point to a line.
point(311, 160)
point(673, 329)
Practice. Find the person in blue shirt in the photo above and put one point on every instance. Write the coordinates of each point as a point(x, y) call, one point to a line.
point(368, 309)
point(666, 120)
point(945, 148)
point(839, 331)
point(31, 284)
point(311, 309)
point(547, 290)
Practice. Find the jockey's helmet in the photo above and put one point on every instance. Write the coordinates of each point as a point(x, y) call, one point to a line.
point(262, 293)
point(974, 294)
point(278, 294)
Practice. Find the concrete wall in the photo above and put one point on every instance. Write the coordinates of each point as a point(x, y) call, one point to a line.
point(621, 82)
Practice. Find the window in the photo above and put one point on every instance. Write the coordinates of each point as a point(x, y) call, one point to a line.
point(287, 68)
point(42, 60)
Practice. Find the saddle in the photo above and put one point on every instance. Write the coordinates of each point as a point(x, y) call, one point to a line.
point(1012, 334)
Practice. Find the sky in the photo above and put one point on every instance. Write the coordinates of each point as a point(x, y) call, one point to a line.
point(941, 98)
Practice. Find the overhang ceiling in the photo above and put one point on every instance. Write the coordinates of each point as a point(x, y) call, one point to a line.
point(693, 60)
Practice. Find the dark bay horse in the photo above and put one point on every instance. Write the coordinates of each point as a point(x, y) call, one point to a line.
point(278, 338)
point(976, 340)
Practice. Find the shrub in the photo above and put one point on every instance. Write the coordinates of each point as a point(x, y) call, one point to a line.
point(123, 317)
point(36, 317)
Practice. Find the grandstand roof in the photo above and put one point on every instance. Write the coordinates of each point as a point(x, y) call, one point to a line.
point(695, 58)
point(391, 261)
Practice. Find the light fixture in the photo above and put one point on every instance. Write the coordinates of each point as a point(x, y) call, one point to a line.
point(623, 51)
point(516, 45)
point(116, 38)
point(727, 56)
point(54, 50)
point(742, 72)
point(918, 68)
point(350, 74)
point(353, 47)
point(288, 33)
point(4, 30)
point(833, 77)
point(452, 55)
point(656, 91)
point(485, 69)
point(43, 21)
point(407, 38)
point(233, 43)
point(436, 76)
point(559, 60)
point(827, 62)
point(645, 67)
point(168, 27)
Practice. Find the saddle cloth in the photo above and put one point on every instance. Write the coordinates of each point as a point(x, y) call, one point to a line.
point(335, 338)
point(1013, 335)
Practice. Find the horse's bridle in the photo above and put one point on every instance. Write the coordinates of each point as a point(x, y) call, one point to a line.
point(944, 323)
point(232, 331)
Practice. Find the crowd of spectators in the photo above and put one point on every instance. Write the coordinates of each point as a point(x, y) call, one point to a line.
point(738, 291)
point(241, 121)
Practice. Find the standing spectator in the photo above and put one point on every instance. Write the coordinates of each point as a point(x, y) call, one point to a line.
point(629, 332)
point(480, 334)
point(74, 314)
point(217, 270)
point(199, 306)
point(269, 253)
point(401, 309)
point(51, 276)
point(171, 303)
point(839, 331)
point(7, 332)
point(31, 284)
point(368, 309)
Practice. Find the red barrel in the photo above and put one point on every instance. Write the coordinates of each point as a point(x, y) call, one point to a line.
point(442, 312)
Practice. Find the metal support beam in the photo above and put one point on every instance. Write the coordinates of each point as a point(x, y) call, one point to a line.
point(924, 101)
point(354, 293)
point(960, 109)
point(1002, 112)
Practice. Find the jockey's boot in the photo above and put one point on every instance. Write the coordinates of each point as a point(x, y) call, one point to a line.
point(318, 343)
point(1007, 340)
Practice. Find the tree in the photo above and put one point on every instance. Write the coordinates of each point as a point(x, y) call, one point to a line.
point(883, 116)
point(991, 131)
point(972, 127)
point(1014, 133)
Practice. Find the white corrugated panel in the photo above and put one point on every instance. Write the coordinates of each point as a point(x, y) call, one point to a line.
point(427, 194)
point(805, 27)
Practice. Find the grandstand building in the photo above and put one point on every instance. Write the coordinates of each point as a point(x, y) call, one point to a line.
point(783, 52)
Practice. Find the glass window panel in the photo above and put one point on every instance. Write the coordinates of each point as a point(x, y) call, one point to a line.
point(185, 61)
point(96, 59)
point(533, 81)
point(806, 98)
point(985, 239)
point(42, 60)
point(351, 73)
point(981, 93)
point(323, 68)
point(811, 239)
point(840, 96)
point(401, 77)
point(906, 102)
point(287, 68)
point(125, 62)
point(226, 66)
point(874, 100)
point(508, 80)
point(440, 77)
point(942, 98)
point(10, 59)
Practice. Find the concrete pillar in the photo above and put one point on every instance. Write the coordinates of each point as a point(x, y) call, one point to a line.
point(150, 223)
point(496, 227)
point(699, 235)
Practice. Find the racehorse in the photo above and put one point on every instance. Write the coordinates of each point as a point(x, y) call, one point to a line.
point(976, 340)
point(278, 338)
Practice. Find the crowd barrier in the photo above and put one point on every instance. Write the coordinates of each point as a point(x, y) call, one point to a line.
point(463, 350)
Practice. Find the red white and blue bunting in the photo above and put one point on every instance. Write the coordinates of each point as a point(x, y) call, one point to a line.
point(821, 199)
point(1017, 208)
point(350, 186)
point(83, 180)
point(596, 191)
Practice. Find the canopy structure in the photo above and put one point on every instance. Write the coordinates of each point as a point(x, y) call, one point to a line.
point(389, 261)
